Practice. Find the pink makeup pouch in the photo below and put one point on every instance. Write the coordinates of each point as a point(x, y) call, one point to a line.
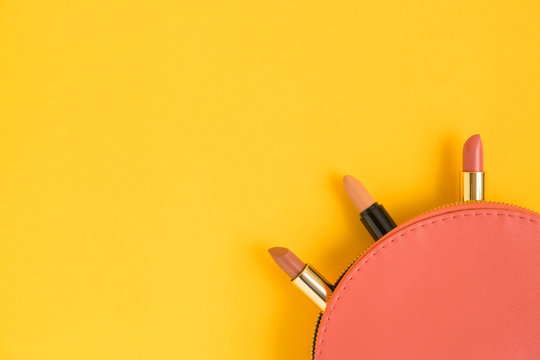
point(458, 282)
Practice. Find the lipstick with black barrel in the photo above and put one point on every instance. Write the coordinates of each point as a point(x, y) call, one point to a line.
point(373, 215)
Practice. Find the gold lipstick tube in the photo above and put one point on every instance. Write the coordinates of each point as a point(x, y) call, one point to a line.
point(473, 185)
point(314, 285)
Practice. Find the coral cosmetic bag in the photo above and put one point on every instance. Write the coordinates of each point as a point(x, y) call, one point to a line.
point(459, 282)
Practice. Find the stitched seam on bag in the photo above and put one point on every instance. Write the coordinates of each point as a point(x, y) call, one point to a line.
point(395, 237)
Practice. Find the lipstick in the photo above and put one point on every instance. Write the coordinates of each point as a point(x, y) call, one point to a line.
point(307, 279)
point(373, 215)
point(473, 176)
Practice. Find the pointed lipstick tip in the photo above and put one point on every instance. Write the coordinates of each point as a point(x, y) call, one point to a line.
point(277, 251)
point(358, 194)
point(473, 154)
point(474, 139)
point(348, 179)
point(287, 261)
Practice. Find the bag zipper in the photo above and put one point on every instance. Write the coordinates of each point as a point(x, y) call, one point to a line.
point(407, 223)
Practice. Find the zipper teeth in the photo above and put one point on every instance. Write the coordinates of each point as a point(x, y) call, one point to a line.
point(316, 330)
point(455, 203)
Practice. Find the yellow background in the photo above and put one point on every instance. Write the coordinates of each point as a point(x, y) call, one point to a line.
point(150, 153)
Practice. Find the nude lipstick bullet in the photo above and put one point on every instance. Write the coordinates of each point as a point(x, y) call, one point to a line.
point(307, 279)
point(373, 215)
point(473, 176)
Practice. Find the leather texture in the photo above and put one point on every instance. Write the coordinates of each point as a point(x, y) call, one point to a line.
point(461, 282)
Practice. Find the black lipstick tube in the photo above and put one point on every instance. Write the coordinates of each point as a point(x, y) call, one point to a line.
point(377, 220)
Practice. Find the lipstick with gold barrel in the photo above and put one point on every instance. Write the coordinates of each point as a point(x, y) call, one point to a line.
point(473, 177)
point(303, 276)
